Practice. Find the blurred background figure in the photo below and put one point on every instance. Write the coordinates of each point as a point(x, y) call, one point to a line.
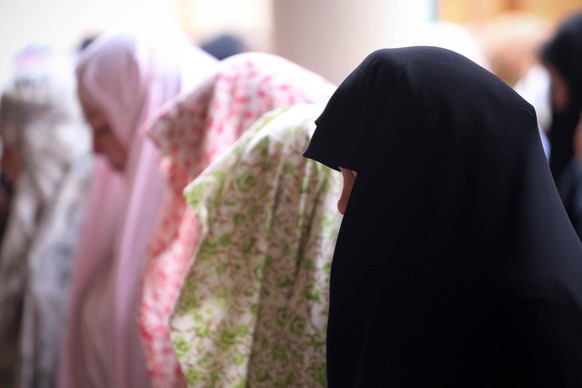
point(224, 46)
point(46, 164)
point(534, 87)
point(510, 41)
point(195, 129)
point(253, 309)
point(123, 79)
point(562, 57)
point(506, 45)
point(491, 47)
point(451, 36)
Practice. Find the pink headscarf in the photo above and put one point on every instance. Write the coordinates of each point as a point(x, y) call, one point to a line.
point(128, 77)
point(190, 134)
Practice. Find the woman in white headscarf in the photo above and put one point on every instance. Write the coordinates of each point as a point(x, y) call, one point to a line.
point(124, 79)
point(45, 137)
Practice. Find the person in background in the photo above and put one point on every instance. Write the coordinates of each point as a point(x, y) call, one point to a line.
point(534, 87)
point(123, 79)
point(456, 264)
point(192, 131)
point(452, 36)
point(511, 43)
point(46, 164)
point(253, 309)
point(562, 57)
point(224, 46)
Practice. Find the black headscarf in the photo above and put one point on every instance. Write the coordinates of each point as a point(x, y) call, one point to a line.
point(456, 265)
point(564, 52)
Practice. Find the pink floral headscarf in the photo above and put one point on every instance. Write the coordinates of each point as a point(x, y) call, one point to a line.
point(128, 76)
point(190, 134)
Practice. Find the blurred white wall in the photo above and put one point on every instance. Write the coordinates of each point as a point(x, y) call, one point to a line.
point(328, 36)
point(63, 23)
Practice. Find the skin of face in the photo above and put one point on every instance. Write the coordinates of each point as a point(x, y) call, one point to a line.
point(349, 177)
point(104, 140)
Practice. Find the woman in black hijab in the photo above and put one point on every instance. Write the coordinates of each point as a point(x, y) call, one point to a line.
point(562, 56)
point(456, 265)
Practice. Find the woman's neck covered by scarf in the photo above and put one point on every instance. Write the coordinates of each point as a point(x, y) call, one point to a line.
point(128, 76)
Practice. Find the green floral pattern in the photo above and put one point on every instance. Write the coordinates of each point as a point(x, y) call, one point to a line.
point(253, 308)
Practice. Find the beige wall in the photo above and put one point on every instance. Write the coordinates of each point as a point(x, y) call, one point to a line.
point(328, 36)
point(63, 23)
point(249, 19)
point(332, 36)
point(468, 12)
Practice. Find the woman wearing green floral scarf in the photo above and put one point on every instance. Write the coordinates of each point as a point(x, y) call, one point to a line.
point(253, 308)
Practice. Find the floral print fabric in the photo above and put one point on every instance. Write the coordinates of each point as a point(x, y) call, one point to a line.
point(190, 133)
point(253, 308)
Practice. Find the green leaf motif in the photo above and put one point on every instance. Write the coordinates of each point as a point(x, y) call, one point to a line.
point(238, 218)
point(317, 372)
point(249, 244)
point(224, 240)
point(226, 340)
point(181, 346)
point(297, 326)
point(246, 182)
point(280, 353)
point(202, 331)
point(193, 376)
point(312, 293)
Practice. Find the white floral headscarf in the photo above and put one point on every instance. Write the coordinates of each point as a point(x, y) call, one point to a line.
point(253, 308)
